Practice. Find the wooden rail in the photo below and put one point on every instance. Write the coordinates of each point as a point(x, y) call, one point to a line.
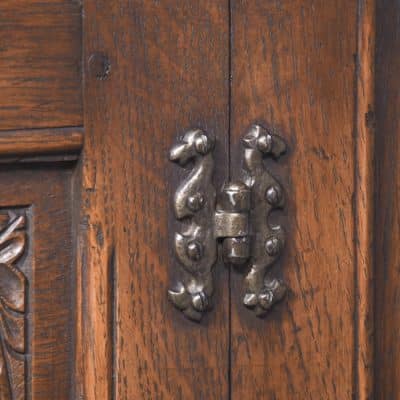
point(41, 142)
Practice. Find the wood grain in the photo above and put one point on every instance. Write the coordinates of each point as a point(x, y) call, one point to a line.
point(293, 70)
point(41, 142)
point(44, 196)
point(40, 51)
point(154, 70)
point(365, 201)
point(387, 219)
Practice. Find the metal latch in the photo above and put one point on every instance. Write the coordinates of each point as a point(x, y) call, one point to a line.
point(236, 220)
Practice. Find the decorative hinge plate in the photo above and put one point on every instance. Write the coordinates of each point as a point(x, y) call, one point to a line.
point(237, 217)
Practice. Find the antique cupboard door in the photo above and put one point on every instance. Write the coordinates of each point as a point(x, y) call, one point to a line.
point(87, 237)
point(153, 69)
point(304, 69)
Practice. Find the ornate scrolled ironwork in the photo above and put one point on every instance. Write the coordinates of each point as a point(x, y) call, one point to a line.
point(237, 218)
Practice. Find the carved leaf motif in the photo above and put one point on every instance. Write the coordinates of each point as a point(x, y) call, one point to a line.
point(12, 284)
point(12, 328)
point(12, 308)
point(5, 389)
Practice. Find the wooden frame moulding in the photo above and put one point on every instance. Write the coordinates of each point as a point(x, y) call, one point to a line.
point(59, 144)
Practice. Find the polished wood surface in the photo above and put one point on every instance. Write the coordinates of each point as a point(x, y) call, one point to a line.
point(293, 70)
point(40, 142)
point(43, 195)
point(40, 84)
point(40, 51)
point(387, 219)
point(153, 70)
point(364, 205)
point(95, 187)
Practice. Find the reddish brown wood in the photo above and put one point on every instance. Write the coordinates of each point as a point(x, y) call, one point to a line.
point(387, 226)
point(364, 201)
point(44, 196)
point(154, 70)
point(41, 142)
point(293, 70)
point(13, 289)
point(40, 51)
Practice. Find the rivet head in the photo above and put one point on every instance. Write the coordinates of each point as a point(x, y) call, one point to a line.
point(274, 195)
point(264, 143)
point(195, 202)
point(273, 246)
point(194, 250)
point(99, 66)
point(266, 299)
point(200, 301)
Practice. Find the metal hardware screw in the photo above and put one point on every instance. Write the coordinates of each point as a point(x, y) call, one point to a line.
point(274, 195)
point(194, 251)
point(195, 202)
point(273, 246)
point(200, 301)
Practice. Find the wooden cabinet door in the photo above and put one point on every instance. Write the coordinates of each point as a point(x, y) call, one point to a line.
point(293, 67)
point(153, 71)
point(94, 95)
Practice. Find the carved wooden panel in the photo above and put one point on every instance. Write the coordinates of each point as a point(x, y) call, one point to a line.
point(37, 290)
point(40, 82)
point(13, 242)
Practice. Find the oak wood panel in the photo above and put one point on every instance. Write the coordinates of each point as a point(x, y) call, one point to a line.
point(364, 201)
point(293, 70)
point(387, 221)
point(44, 196)
point(40, 51)
point(154, 70)
point(40, 142)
